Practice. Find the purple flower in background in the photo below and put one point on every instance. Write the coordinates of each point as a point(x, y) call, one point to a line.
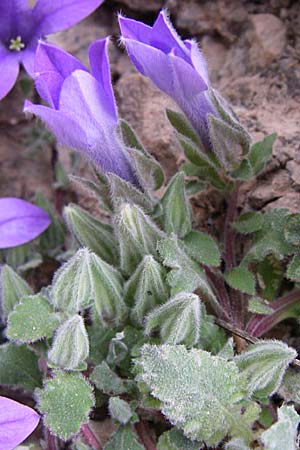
point(176, 67)
point(83, 113)
point(17, 422)
point(21, 27)
point(20, 222)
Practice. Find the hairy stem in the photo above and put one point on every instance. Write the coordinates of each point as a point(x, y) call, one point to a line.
point(283, 308)
point(52, 441)
point(217, 282)
point(144, 435)
point(90, 437)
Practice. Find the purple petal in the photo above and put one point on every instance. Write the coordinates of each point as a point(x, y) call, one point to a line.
point(101, 71)
point(67, 130)
point(10, 12)
point(20, 222)
point(55, 16)
point(17, 422)
point(52, 66)
point(133, 29)
point(28, 56)
point(9, 70)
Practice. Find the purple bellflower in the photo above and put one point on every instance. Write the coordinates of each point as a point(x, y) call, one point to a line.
point(17, 422)
point(176, 67)
point(21, 27)
point(20, 222)
point(82, 113)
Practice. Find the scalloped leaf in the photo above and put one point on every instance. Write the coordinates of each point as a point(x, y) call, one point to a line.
point(202, 247)
point(66, 402)
point(32, 319)
point(241, 279)
point(203, 395)
point(283, 434)
point(265, 364)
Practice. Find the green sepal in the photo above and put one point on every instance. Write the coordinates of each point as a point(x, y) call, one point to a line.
point(32, 319)
point(148, 170)
point(178, 320)
point(261, 152)
point(183, 126)
point(19, 367)
point(98, 189)
point(121, 191)
point(241, 279)
point(130, 138)
point(92, 233)
point(12, 289)
point(204, 174)
point(137, 235)
point(229, 144)
point(202, 247)
point(146, 288)
point(106, 380)
point(176, 208)
point(205, 161)
point(65, 401)
point(70, 347)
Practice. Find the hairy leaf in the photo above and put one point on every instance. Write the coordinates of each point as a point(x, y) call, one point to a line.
point(123, 439)
point(120, 410)
point(19, 367)
point(202, 248)
point(261, 152)
point(249, 222)
point(106, 380)
point(32, 319)
point(258, 305)
point(182, 126)
point(264, 364)
point(124, 192)
point(65, 401)
point(175, 440)
point(203, 395)
point(293, 269)
point(282, 434)
point(241, 279)
point(12, 289)
point(236, 444)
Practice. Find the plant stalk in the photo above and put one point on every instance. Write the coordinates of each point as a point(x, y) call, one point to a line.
point(144, 435)
point(90, 437)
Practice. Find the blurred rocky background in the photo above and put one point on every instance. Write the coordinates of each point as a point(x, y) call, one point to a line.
point(253, 54)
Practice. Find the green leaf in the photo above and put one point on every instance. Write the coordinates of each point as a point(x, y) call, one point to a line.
point(65, 401)
point(270, 275)
point(137, 235)
point(261, 152)
point(178, 319)
point(119, 410)
point(204, 160)
point(244, 172)
point(99, 337)
point(258, 305)
point(175, 440)
point(282, 434)
point(12, 289)
point(202, 247)
point(292, 230)
point(123, 439)
point(249, 222)
point(204, 173)
point(19, 367)
point(130, 138)
point(176, 208)
point(264, 364)
point(236, 444)
point(227, 351)
point(193, 187)
point(86, 280)
point(290, 387)
point(106, 380)
point(186, 275)
point(293, 269)
point(182, 126)
point(70, 347)
point(146, 288)
point(203, 395)
point(92, 233)
point(212, 337)
point(32, 319)
point(241, 279)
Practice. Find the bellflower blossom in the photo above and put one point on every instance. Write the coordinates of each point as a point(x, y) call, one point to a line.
point(176, 67)
point(17, 422)
point(20, 222)
point(21, 27)
point(82, 113)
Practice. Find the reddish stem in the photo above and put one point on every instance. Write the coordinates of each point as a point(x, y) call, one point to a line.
point(51, 440)
point(90, 437)
point(217, 281)
point(229, 231)
point(144, 435)
point(260, 325)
